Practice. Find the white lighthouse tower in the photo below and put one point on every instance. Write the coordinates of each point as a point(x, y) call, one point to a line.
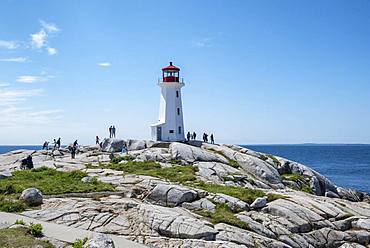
point(170, 126)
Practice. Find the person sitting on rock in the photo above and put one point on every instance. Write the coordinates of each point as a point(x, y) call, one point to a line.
point(27, 163)
point(188, 136)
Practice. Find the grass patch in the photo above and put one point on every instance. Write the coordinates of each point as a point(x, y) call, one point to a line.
point(223, 214)
point(179, 174)
point(11, 205)
point(300, 180)
point(244, 194)
point(123, 158)
point(276, 161)
point(20, 237)
point(50, 182)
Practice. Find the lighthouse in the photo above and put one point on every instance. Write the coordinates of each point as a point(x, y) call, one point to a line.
point(170, 126)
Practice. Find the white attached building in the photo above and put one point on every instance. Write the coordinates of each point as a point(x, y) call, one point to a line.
point(170, 126)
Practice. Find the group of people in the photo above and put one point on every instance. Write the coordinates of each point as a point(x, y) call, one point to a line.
point(205, 138)
point(73, 149)
point(193, 136)
point(112, 132)
point(57, 144)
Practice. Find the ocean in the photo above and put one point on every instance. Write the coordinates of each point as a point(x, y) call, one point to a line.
point(345, 165)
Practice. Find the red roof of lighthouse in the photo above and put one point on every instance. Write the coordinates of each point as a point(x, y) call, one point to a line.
point(171, 67)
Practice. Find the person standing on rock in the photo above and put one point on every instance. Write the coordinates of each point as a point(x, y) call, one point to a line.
point(73, 151)
point(75, 144)
point(194, 136)
point(212, 139)
point(45, 146)
point(97, 140)
point(110, 131)
point(113, 132)
point(188, 136)
point(58, 144)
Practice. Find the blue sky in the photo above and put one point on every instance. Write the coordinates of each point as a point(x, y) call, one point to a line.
point(255, 71)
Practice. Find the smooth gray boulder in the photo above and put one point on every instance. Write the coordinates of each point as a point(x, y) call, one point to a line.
point(259, 203)
point(202, 204)
point(99, 240)
point(350, 194)
point(362, 224)
point(32, 197)
point(133, 145)
point(113, 145)
point(87, 179)
point(331, 194)
point(171, 195)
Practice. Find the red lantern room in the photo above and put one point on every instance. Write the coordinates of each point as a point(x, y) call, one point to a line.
point(170, 73)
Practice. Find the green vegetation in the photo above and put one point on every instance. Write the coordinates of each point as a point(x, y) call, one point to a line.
point(20, 222)
point(263, 157)
point(176, 173)
point(303, 185)
point(123, 158)
point(50, 181)
point(20, 237)
point(36, 230)
point(244, 194)
point(11, 204)
point(223, 214)
point(276, 161)
point(79, 243)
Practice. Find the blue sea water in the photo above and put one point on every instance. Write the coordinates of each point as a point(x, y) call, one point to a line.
point(345, 165)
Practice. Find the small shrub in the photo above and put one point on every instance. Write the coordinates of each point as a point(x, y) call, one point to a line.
point(79, 243)
point(20, 222)
point(36, 230)
point(293, 177)
point(223, 214)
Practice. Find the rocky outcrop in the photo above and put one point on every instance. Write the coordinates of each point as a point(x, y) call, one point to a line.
point(160, 213)
point(99, 240)
point(113, 145)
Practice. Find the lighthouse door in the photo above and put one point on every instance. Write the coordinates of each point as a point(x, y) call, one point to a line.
point(159, 133)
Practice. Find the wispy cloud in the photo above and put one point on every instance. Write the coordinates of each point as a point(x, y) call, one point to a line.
point(28, 79)
point(9, 44)
point(39, 40)
point(104, 64)
point(15, 96)
point(49, 27)
point(204, 42)
point(15, 59)
point(3, 84)
point(13, 116)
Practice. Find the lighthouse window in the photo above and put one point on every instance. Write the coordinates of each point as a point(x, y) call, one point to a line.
point(177, 93)
point(179, 130)
point(178, 111)
point(172, 131)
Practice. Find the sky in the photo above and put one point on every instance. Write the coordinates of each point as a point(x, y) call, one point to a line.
point(256, 72)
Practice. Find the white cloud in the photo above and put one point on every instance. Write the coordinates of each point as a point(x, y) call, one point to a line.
point(52, 51)
point(39, 39)
point(8, 44)
point(15, 59)
point(32, 79)
point(49, 27)
point(104, 64)
point(3, 84)
point(13, 116)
